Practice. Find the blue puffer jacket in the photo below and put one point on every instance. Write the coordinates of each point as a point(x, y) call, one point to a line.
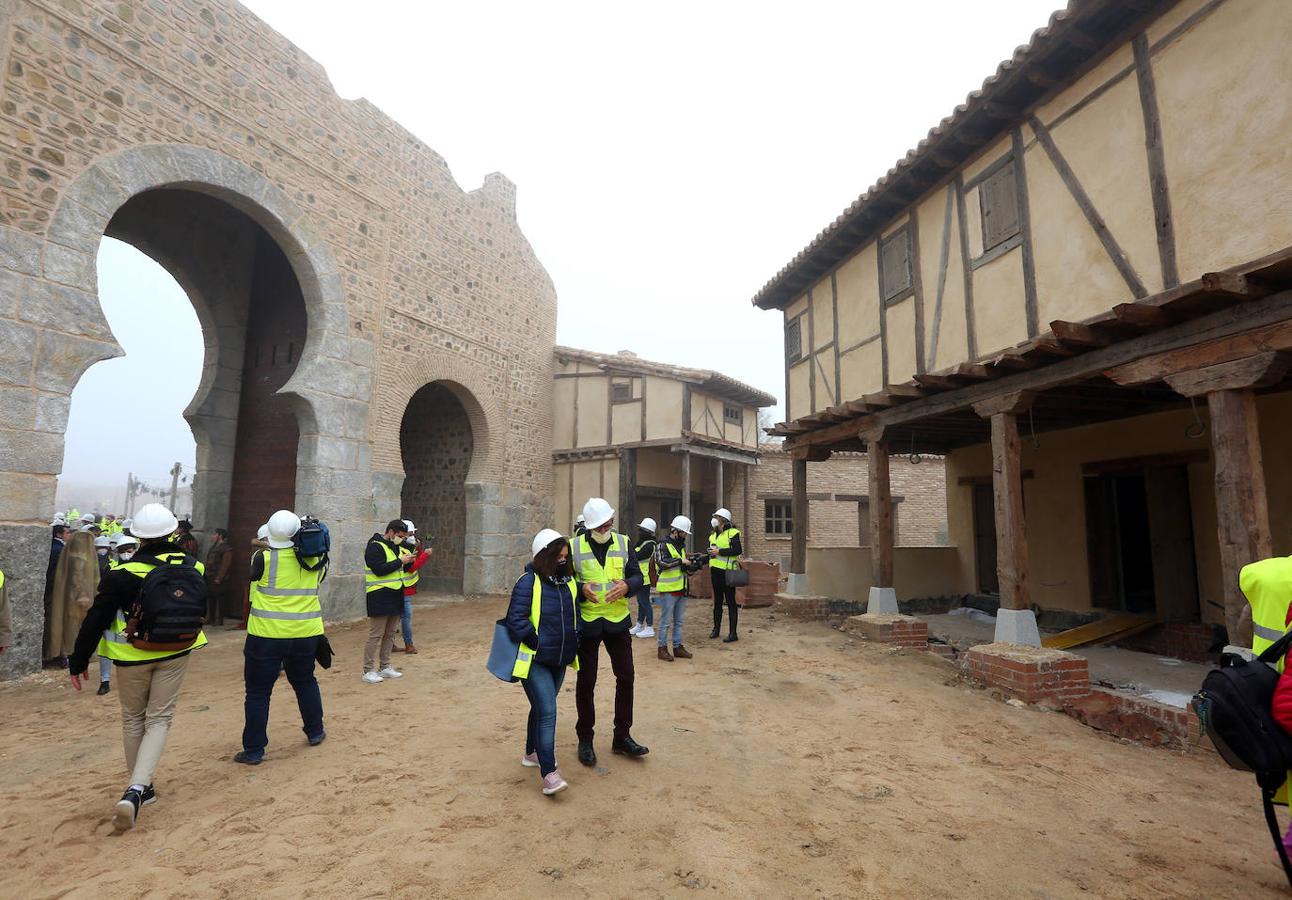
point(558, 620)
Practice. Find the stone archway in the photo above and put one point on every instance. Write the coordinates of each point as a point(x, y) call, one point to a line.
point(61, 331)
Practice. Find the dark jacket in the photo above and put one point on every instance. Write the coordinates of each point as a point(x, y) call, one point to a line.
point(385, 601)
point(558, 620)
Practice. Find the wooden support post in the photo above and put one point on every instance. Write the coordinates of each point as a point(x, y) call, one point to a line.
point(718, 489)
point(686, 485)
point(881, 515)
point(798, 517)
point(628, 490)
point(1242, 509)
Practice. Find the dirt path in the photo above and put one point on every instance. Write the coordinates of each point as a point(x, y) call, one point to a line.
point(797, 762)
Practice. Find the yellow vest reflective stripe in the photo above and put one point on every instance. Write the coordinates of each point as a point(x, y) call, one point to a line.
point(285, 601)
point(116, 646)
point(525, 655)
point(723, 542)
point(375, 582)
point(672, 581)
point(410, 579)
point(1267, 585)
point(600, 578)
point(1, 581)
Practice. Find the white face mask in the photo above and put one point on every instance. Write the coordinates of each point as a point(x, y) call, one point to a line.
point(601, 537)
point(125, 555)
point(713, 523)
point(103, 551)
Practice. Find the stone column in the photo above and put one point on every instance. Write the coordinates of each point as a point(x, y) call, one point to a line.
point(1015, 620)
point(883, 595)
point(1242, 510)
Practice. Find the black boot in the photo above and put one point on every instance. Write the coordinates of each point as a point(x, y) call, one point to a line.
point(716, 631)
point(628, 747)
point(731, 635)
point(587, 755)
point(729, 638)
point(104, 687)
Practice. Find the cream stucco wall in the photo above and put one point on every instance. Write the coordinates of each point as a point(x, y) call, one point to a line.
point(844, 573)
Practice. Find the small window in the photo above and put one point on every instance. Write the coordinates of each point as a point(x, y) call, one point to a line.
point(778, 517)
point(793, 341)
point(733, 414)
point(998, 198)
point(621, 391)
point(895, 264)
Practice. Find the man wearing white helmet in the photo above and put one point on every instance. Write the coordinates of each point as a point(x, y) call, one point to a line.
point(645, 550)
point(150, 652)
point(724, 556)
point(283, 634)
point(579, 526)
point(673, 567)
point(606, 572)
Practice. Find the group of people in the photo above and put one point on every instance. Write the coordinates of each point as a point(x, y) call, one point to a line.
point(573, 598)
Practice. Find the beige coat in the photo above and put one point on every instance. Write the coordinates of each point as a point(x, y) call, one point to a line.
point(76, 581)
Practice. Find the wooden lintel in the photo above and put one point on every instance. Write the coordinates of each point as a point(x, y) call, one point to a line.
point(1014, 402)
point(1250, 373)
point(1157, 368)
point(810, 454)
point(1136, 463)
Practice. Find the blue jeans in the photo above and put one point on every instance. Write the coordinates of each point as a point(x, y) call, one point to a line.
point(406, 620)
point(263, 659)
point(672, 611)
point(645, 613)
point(541, 687)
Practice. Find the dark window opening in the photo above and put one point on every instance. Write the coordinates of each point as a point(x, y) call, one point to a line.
point(793, 341)
point(778, 517)
point(733, 414)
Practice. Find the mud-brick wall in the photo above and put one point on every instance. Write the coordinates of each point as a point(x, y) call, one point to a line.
point(436, 443)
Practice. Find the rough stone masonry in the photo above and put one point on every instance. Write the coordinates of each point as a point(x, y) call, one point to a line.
point(170, 123)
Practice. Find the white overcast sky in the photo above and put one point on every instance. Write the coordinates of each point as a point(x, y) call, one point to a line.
point(670, 158)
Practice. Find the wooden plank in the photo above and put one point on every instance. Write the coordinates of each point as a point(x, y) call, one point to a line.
point(1011, 534)
point(1077, 334)
point(1111, 627)
point(1142, 316)
point(1161, 366)
point(975, 372)
point(1258, 371)
point(881, 515)
point(917, 287)
point(938, 382)
point(1158, 187)
point(1025, 228)
point(798, 516)
point(944, 258)
point(962, 219)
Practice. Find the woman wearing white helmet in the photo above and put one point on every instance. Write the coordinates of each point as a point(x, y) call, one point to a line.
point(543, 616)
point(645, 550)
point(724, 555)
point(673, 566)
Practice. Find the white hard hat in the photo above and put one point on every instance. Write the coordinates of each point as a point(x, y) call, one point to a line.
point(648, 524)
point(724, 513)
point(682, 524)
point(579, 518)
point(262, 533)
point(154, 521)
point(126, 523)
point(58, 520)
point(408, 526)
point(89, 517)
point(281, 528)
point(102, 541)
point(86, 528)
point(121, 538)
point(597, 512)
point(544, 539)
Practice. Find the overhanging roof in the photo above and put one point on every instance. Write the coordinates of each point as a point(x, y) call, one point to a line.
point(1075, 39)
point(709, 381)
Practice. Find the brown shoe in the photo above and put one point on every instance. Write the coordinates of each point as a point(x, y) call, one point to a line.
point(410, 649)
point(665, 655)
point(681, 652)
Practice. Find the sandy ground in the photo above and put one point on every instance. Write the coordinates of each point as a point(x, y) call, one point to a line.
point(797, 762)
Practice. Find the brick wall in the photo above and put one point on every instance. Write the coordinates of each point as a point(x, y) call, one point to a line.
point(436, 442)
point(835, 513)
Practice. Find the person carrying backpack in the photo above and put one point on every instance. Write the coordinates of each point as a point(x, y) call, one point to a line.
point(284, 631)
point(153, 608)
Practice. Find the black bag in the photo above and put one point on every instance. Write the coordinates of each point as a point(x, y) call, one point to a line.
point(1234, 710)
point(312, 540)
point(737, 577)
point(170, 608)
point(323, 652)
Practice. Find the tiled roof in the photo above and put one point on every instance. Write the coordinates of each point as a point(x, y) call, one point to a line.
point(712, 382)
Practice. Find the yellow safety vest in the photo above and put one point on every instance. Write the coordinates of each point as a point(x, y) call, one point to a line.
point(410, 579)
point(525, 655)
point(375, 582)
point(1267, 585)
point(672, 581)
point(723, 542)
point(115, 646)
point(285, 601)
point(601, 578)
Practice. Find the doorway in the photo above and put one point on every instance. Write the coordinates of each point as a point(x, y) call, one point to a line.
point(984, 539)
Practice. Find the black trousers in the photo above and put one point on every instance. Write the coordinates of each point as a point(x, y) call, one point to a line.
point(723, 594)
point(619, 647)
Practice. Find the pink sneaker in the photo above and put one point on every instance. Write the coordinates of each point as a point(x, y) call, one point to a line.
point(530, 760)
point(1287, 841)
point(553, 783)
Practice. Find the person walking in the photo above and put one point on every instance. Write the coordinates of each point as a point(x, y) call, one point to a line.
point(543, 617)
point(724, 556)
point(1267, 585)
point(673, 566)
point(411, 576)
point(123, 549)
point(283, 634)
point(384, 560)
point(150, 670)
point(219, 560)
point(606, 572)
point(645, 552)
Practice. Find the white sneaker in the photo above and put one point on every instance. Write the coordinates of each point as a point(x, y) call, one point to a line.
point(635, 631)
point(390, 672)
point(372, 678)
point(646, 632)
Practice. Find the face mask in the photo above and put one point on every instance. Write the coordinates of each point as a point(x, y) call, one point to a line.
point(563, 567)
point(103, 551)
point(125, 555)
point(601, 537)
point(713, 523)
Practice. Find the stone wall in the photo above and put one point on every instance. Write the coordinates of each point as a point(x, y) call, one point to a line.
point(406, 278)
point(436, 444)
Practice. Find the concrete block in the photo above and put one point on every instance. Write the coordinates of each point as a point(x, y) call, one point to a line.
point(797, 584)
point(1017, 626)
point(882, 600)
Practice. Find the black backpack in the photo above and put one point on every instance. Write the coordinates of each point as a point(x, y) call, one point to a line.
point(312, 540)
point(170, 608)
point(1234, 710)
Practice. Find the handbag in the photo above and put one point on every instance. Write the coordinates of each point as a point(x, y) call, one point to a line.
point(502, 654)
point(323, 652)
point(737, 577)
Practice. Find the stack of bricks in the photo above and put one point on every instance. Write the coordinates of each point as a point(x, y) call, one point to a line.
point(1031, 674)
point(891, 628)
point(803, 608)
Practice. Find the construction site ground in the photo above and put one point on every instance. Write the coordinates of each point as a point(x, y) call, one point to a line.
point(799, 761)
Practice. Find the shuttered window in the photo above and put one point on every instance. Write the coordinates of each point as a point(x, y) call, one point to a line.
point(895, 264)
point(793, 341)
point(998, 198)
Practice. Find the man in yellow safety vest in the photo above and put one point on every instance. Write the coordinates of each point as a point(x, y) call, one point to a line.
point(606, 572)
point(283, 634)
point(1267, 585)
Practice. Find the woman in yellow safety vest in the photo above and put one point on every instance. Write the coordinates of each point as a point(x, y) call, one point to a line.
point(724, 555)
point(543, 618)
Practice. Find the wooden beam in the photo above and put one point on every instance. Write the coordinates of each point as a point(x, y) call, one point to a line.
point(1077, 334)
point(1011, 534)
point(810, 454)
point(1258, 371)
point(1016, 402)
point(627, 489)
point(1163, 365)
point(1141, 315)
point(938, 382)
point(881, 515)
point(798, 517)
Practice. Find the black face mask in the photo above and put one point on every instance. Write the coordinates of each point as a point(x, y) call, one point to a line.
point(563, 567)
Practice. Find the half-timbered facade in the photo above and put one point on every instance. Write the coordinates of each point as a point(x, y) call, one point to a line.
point(1074, 288)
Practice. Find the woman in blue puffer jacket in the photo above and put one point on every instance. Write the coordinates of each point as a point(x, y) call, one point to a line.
point(554, 638)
